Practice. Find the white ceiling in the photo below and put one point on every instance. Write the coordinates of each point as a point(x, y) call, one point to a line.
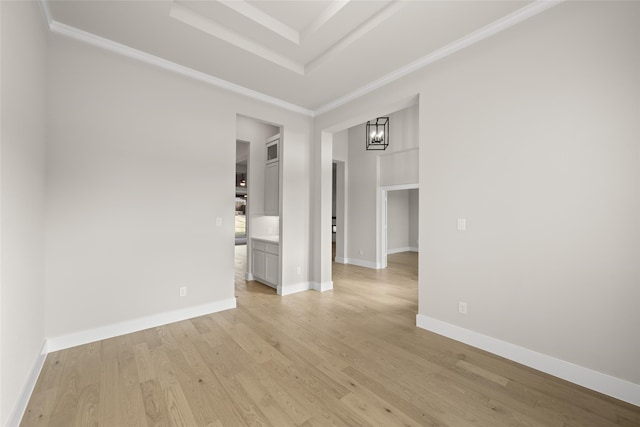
point(308, 54)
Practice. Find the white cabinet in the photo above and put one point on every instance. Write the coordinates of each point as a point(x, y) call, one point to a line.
point(272, 177)
point(258, 263)
point(271, 273)
point(271, 189)
point(273, 149)
point(265, 262)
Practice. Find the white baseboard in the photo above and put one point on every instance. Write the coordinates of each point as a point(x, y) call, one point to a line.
point(103, 332)
point(18, 410)
point(249, 277)
point(362, 263)
point(594, 380)
point(294, 288)
point(341, 260)
point(322, 287)
point(398, 250)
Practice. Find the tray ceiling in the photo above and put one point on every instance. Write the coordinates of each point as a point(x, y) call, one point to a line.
point(305, 53)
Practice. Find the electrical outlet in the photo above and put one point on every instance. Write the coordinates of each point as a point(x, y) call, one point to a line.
point(361, 252)
point(183, 291)
point(462, 224)
point(218, 222)
point(462, 307)
point(299, 271)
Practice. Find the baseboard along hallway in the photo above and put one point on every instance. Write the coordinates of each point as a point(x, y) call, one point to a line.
point(350, 356)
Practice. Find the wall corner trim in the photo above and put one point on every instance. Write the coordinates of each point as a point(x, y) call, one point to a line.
point(399, 250)
point(362, 263)
point(128, 326)
point(21, 405)
point(594, 380)
point(322, 287)
point(294, 288)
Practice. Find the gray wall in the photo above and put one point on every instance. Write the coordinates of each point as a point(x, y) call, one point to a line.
point(135, 171)
point(22, 191)
point(141, 162)
point(532, 136)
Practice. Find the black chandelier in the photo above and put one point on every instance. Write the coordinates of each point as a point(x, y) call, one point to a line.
point(377, 134)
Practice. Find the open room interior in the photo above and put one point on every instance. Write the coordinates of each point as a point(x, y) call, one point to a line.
point(440, 232)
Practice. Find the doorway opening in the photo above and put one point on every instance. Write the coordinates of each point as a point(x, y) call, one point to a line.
point(242, 192)
point(399, 218)
point(257, 203)
point(377, 198)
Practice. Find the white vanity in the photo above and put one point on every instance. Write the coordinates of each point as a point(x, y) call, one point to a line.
point(265, 259)
point(265, 245)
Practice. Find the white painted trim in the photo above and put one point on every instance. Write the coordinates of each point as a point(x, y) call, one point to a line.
point(249, 276)
point(594, 380)
point(267, 21)
point(495, 27)
point(399, 187)
point(341, 260)
point(46, 11)
point(127, 51)
point(18, 410)
point(294, 288)
point(362, 263)
point(413, 249)
point(355, 35)
point(128, 326)
point(382, 222)
point(322, 287)
point(327, 14)
point(208, 26)
point(514, 18)
point(399, 250)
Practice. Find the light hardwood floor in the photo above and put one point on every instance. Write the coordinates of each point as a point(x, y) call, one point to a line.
point(347, 357)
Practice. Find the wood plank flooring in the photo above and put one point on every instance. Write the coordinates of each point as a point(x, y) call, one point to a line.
point(347, 357)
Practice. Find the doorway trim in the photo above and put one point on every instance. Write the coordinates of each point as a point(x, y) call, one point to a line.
point(381, 250)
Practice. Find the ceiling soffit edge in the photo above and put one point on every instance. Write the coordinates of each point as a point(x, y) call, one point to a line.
point(196, 20)
point(501, 24)
point(267, 21)
point(272, 24)
point(199, 22)
point(495, 27)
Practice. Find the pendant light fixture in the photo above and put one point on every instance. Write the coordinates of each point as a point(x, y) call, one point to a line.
point(377, 134)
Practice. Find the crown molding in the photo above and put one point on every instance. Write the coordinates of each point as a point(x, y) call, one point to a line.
point(330, 11)
point(495, 27)
point(110, 45)
point(356, 34)
point(196, 20)
point(199, 22)
point(283, 30)
point(46, 11)
point(258, 16)
point(501, 24)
